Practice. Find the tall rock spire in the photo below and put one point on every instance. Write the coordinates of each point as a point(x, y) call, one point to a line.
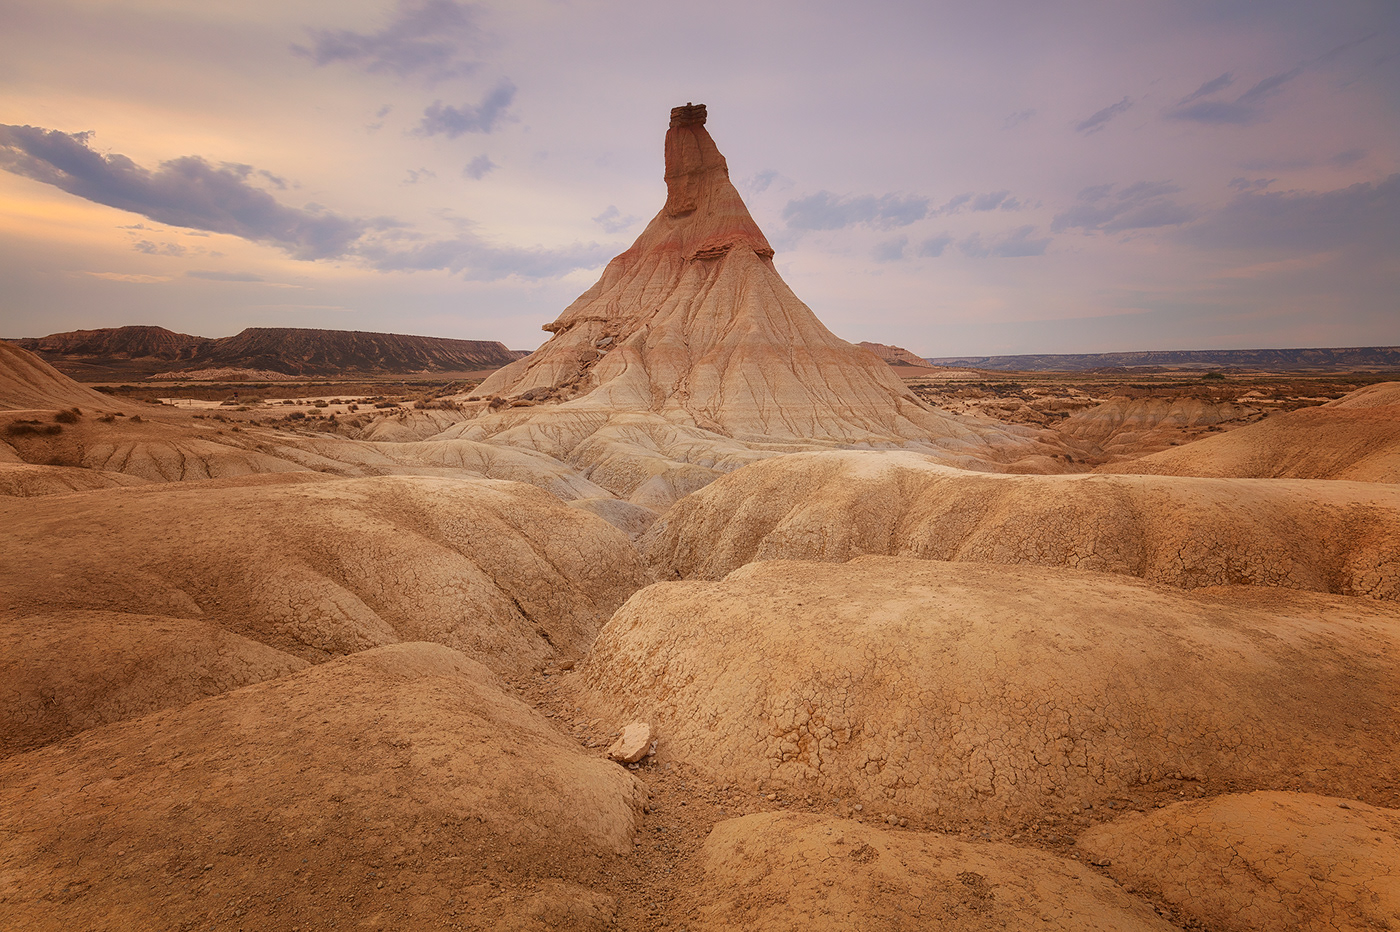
point(694, 324)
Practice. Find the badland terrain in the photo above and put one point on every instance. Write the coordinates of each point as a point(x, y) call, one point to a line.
point(697, 617)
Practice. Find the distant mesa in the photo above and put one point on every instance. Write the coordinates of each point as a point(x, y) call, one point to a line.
point(138, 352)
point(1288, 360)
point(694, 325)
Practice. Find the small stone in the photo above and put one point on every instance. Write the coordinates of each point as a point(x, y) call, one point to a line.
point(633, 745)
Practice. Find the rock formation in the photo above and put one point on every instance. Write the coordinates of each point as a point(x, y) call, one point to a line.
point(693, 324)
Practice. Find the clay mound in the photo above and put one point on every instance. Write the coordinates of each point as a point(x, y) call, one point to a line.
point(954, 691)
point(29, 383)
point(1138, 426)
point(1262, 862)
point(22, 480)
point(70, 671)
point(694, 325)
point(1355, 437)
point(317, 567)
point(1322, 536)
point(781, 872)
point(401, 788)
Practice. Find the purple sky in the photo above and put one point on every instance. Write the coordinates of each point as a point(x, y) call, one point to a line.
point(955, 178)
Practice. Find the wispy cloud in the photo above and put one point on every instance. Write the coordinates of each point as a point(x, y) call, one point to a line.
point(1242, 111)
point(420, 175)
point(479, 167)
point(429, 38)
point(159, 249)
point(482, 118)
point(1098, 120)
point(129, 278)
point(1139, 206)
point(612, 221)
point(1208, 88)
point(1017, 118)
point(934, 246)
point(191, 193)
point(891, 250)
point(827, 211)
point(1019, 243)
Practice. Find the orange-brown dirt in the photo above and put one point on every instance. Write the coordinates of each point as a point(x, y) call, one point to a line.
point(115, 666)
point(790, 872)
point(1262, 862)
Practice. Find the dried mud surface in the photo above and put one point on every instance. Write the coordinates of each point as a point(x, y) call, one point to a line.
point(951, 693)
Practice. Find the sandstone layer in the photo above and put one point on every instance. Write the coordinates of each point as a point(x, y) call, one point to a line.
point(1341, 537)
point(317, 567)
point(401, 787)
point(956, 691)
point(786, 872)
point(1262, 862)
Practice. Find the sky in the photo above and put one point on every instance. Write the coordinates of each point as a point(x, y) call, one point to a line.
point(959, 179)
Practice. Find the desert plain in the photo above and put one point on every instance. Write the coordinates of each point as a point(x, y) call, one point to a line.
point(913, 647)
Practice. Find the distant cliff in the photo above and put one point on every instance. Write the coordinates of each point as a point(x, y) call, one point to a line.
point(136, 352)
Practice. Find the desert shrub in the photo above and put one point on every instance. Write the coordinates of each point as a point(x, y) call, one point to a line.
point(1215, 376)
point(107, 418)
point(296, 415)
point(68, 417)
point(136, 419)
point(387, 404)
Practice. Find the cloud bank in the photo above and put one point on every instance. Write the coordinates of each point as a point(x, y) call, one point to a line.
point(190, 192)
